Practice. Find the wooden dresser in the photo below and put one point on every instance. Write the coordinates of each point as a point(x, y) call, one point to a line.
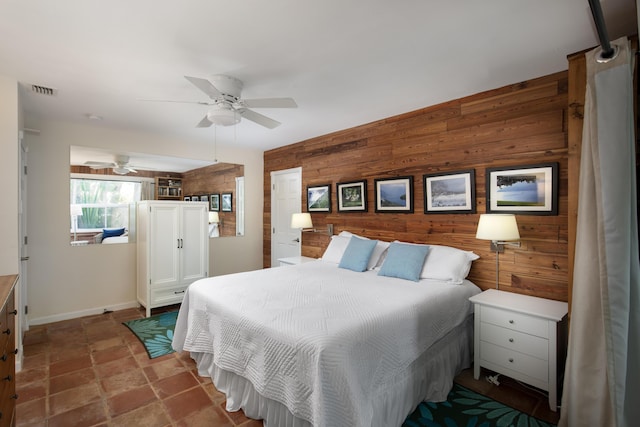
point(8, 351)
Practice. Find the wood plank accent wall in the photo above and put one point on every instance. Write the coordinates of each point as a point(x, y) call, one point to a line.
point(519, 124)
point(219, 178)
point(108, 171)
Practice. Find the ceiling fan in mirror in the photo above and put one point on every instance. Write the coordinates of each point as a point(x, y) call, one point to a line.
point(227, 107)
point(120, 165)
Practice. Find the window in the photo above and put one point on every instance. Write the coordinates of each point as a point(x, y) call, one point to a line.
point(100, 203)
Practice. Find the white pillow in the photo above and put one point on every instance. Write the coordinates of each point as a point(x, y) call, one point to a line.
point(336, 249)
point(378, 254)
point(448, 264)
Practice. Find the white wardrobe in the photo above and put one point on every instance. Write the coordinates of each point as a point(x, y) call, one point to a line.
point(172, 250)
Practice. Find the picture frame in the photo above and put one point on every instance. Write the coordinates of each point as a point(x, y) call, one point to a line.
point(226, 202)
point(186, 198)
point(214, 202)
point(527, 190)
point(319, 198)
point(352, 196)
point(204, 198)
point(394, 194)
point(450, 192)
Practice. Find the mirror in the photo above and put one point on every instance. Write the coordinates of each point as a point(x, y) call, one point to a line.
point(104, 186)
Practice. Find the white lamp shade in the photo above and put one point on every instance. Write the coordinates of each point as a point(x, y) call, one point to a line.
point(214, 217)
point(497, 227)
point(76, 210)
point(301, 220)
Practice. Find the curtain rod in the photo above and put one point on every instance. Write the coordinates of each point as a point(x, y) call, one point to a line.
point(596, 10)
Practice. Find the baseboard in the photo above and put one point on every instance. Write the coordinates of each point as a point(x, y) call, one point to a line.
point(81, 313)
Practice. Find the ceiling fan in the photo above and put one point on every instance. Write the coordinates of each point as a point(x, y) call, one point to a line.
point(120, 166)
point(227, 107)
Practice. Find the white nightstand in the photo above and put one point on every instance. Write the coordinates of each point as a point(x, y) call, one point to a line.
point(295, 260)
point(522, 337)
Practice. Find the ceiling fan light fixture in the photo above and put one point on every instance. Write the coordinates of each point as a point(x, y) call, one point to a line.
point(223, 116)
point(120, 171)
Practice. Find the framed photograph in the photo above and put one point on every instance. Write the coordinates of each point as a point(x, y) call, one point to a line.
point(352, 196)
point(394, 194)
point(187, 198)
point(204, 198)
point(319, 198)
point(214, 202)
point(226, 202)
point(529, 190)
point(450, 192)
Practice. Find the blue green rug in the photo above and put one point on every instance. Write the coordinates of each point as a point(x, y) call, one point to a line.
point(465, 408)
point(155, 332)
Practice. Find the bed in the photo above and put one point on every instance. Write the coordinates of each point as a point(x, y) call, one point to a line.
point(320, 344)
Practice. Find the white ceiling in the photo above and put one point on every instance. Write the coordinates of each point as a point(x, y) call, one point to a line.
point(345, 63)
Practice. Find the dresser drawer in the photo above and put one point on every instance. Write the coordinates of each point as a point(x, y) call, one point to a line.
point(514, 340)
point(516, 321)
point(166, 296)
point(515, 361)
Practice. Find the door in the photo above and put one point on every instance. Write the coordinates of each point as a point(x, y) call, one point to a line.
point(286, 199)
point(194, 242)
point(22, 323)
point(164, 244)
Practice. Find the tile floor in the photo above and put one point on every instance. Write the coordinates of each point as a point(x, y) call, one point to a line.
point(93, 371)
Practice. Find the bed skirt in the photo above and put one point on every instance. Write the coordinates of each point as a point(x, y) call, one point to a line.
point(430, 378)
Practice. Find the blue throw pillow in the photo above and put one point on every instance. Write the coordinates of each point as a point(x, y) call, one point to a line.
point(356, 255)
point(112, 232)
point(404, 261)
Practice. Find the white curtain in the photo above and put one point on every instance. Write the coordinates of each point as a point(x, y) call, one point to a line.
point(602, 376)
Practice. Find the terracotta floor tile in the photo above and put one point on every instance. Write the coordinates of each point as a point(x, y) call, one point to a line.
point(31, 412)
point(39, 374)
point(124, 381)
point(110, 354)
point(71, 380)
point(66, 366)
point(106, 344)
point(36, 361)
point(152, 415)
point(116, 367)
point(237, 417)
point(164, 369)
point(170, 386)
point(84, 416)
point(73, 398)
point(130, 400)
point(181, 405)
point(31, 391)
point(209, 416)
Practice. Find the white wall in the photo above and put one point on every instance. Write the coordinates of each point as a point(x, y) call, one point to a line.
point(67, 282)
point(9, 122)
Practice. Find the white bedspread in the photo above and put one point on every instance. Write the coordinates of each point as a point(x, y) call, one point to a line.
point(321, 340)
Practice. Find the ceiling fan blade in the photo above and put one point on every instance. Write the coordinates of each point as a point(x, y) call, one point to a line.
point(258, 118)
point(270, 103)
point(205, 86)
point(132, 170)
point(204, 123)
point(180, 102)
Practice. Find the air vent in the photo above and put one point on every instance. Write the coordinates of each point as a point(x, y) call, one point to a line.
point(43, 90)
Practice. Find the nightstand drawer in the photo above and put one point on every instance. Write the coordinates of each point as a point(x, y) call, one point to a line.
point(516, 321)
point(172, 295)
point(512, 360)
point(514, 340)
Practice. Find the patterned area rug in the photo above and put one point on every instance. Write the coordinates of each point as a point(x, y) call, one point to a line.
point(465, 408)
point(155, 332)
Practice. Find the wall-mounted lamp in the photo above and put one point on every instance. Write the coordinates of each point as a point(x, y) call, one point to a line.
point(501, 229)
point(304, 223)
point(214, 220)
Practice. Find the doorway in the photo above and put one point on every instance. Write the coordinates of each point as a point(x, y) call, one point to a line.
point(286, 199)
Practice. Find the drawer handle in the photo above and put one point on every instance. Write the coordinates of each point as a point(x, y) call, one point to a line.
point(511, 360)
point(4, 357)
point(511, 321)
point(510, 339)
point(8, 331)
point(15, 396)
point(178, 292)
point(14, 312)
point(8, 378)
